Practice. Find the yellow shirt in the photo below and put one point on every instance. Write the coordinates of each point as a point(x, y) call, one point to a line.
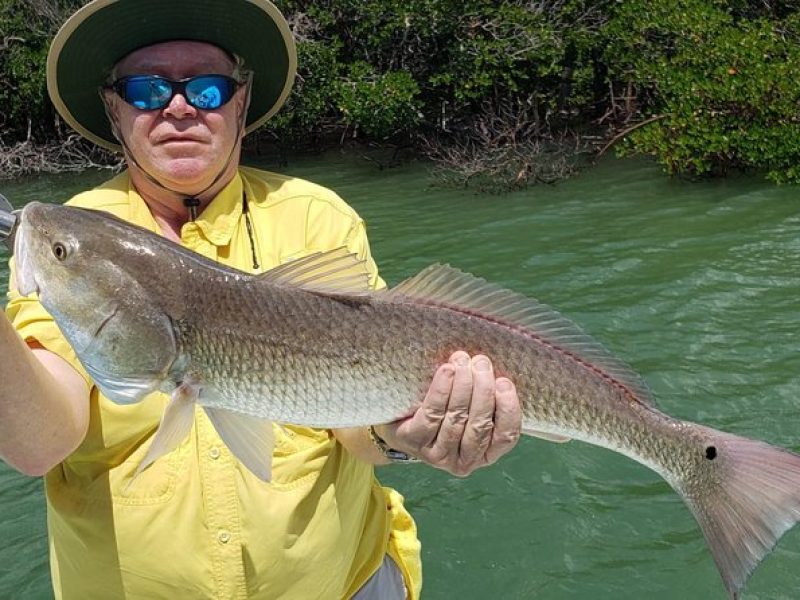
point(198, 524)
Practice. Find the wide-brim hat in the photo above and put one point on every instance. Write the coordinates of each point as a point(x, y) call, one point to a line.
point(101, 33)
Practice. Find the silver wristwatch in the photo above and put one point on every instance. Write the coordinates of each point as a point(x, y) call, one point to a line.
point(394, 456)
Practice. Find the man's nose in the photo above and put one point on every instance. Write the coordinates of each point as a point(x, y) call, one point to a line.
point(179, 108)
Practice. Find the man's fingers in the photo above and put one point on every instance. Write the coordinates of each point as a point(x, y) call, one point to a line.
point(423, 427)
point(448, 441)
point(467, 419)
point(478, 431)
point(507, 420)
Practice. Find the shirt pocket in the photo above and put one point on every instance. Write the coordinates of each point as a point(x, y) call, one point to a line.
point(128, 432)
point(155, 485)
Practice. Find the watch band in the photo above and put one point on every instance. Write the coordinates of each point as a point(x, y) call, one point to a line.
point(394, 456)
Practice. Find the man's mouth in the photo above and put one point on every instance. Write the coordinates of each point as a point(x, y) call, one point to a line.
point(180, 139)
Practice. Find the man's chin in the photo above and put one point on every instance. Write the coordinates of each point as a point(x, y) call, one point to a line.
point(186, 174)
point(189, 175)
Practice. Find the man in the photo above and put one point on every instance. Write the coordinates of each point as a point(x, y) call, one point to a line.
point(176, 85)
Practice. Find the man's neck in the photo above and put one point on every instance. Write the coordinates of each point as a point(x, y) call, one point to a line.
point(170, 209)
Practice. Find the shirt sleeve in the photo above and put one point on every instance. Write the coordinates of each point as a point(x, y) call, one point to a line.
point(358, 244)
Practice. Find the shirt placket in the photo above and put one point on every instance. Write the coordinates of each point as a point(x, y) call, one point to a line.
point(218, 480)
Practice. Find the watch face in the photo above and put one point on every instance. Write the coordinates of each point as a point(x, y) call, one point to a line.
point(398, 456)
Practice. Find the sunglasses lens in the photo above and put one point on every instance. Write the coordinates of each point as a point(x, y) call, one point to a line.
point(147, 93)
point(209, 91)
point(151, 92)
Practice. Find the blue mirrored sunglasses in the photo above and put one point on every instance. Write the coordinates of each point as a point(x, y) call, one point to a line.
point(152, 92)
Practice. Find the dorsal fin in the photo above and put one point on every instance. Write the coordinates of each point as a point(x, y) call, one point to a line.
point(337, 273)
point(442, 285)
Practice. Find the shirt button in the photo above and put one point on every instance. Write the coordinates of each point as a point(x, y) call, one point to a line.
point(214, 453)
point(224, 537)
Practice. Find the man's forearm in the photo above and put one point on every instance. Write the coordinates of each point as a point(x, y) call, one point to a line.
point(358, 443)
point(44, 408)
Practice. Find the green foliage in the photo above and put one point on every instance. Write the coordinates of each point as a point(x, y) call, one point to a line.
point(380, 105)
point(311, 101)
point(726, 85)
point(442, 59)
point(26, 28)
point(22, 65)
point(719, 75)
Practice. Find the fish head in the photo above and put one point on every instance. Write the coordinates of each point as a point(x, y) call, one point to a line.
point(44, 252)
point(92, 274)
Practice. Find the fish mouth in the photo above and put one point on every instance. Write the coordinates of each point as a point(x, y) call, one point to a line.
point(9, 219)
point(25, 275)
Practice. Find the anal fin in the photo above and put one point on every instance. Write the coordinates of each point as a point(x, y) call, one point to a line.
point(250, 439)
point(549, 437)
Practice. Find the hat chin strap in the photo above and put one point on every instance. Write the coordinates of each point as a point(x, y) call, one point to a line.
point(192, 202)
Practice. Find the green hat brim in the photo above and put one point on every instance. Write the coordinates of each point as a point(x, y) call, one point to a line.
point(101, 33)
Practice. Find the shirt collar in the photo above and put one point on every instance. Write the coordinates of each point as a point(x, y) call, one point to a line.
point(219, 219)
point(216, 223)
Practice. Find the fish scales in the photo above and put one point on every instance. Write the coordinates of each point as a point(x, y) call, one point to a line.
point(144, 314)
point(338, 351)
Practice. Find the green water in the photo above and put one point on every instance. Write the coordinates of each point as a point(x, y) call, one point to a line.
point(695, 285)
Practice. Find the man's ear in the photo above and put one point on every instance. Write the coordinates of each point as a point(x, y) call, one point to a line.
point(111, 105)
point(243, 103)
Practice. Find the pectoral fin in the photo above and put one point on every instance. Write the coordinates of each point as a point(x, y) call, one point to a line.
point(550, 437)
point(176, 423)
point(251, 440)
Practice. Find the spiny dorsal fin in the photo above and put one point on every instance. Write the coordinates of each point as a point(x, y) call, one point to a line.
point(442, 285)
point(337, 272)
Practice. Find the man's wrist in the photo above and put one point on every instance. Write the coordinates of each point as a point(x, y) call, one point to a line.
point(391, 454)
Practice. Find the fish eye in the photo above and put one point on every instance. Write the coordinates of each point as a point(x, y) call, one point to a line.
point(59, 251)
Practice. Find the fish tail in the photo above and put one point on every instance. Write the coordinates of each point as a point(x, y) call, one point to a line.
point(753, 499)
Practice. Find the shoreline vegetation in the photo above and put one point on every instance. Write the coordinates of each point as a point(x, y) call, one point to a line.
point(498, 95)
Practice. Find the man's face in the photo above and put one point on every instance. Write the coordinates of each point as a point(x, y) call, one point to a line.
point(183, 147)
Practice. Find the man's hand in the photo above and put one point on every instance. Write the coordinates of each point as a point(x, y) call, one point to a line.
point(467, 420)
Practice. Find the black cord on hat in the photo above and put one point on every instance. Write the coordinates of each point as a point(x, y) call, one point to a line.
point(192, 204)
